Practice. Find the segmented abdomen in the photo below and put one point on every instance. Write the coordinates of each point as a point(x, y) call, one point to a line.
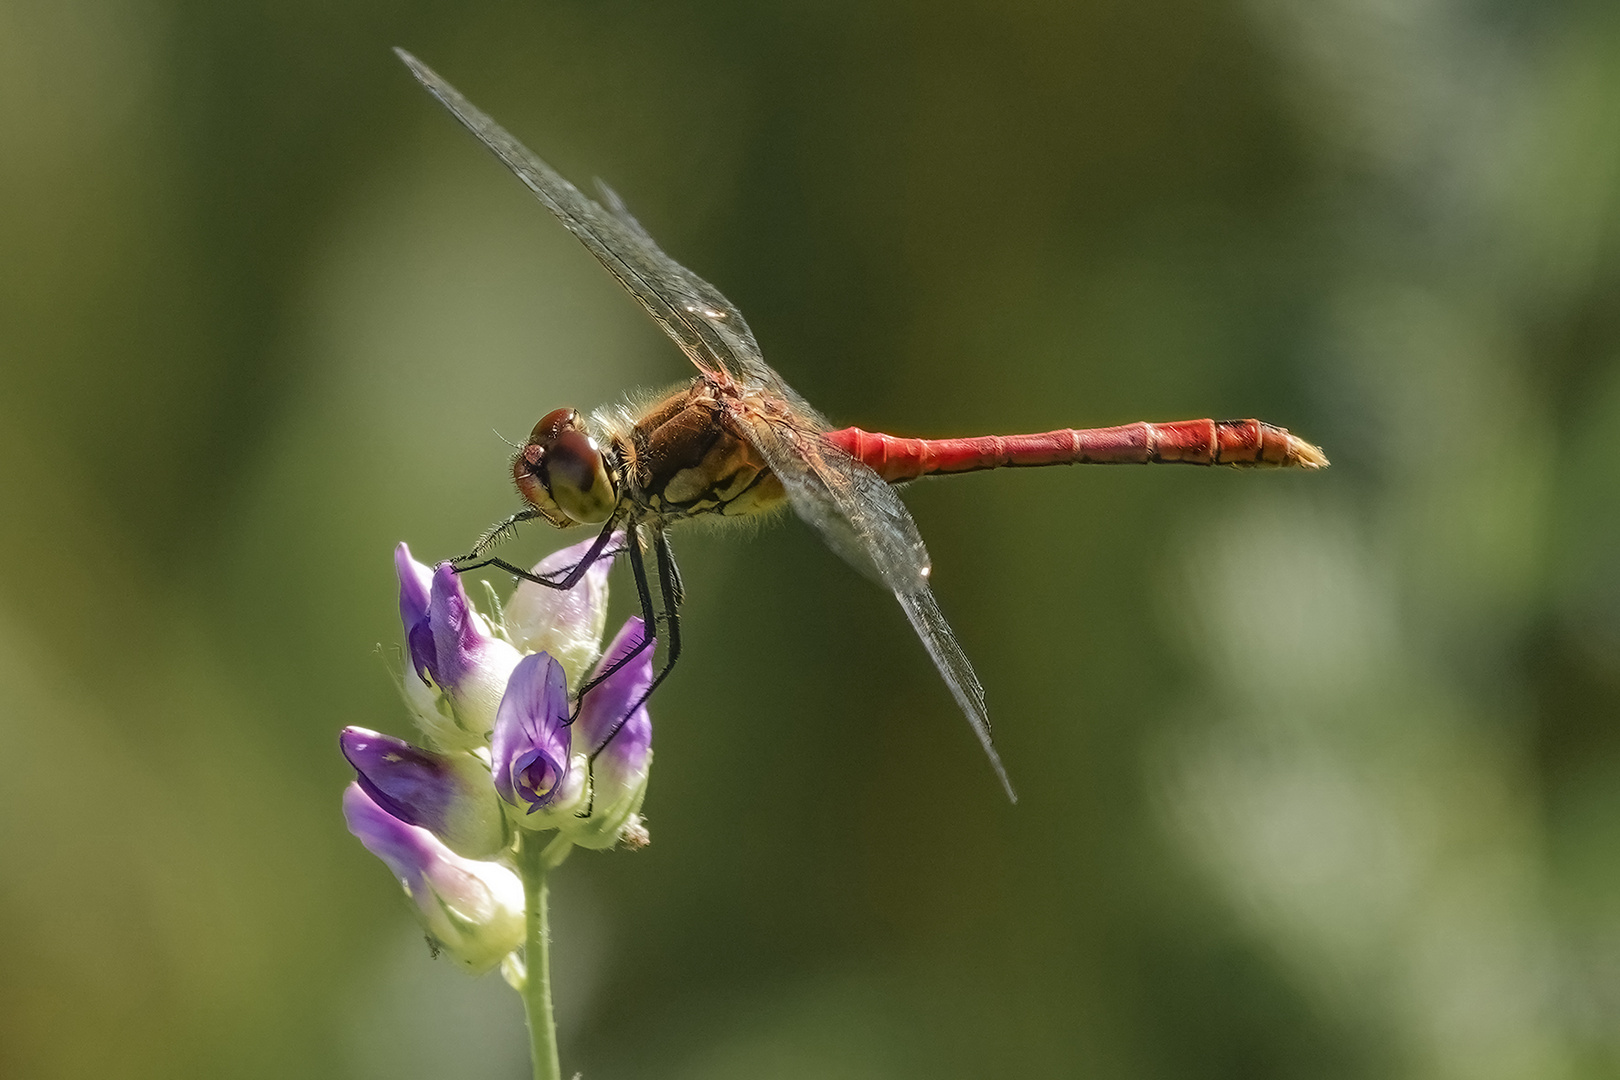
point(1238, 443)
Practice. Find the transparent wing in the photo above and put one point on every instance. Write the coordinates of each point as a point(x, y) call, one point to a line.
point(856, 512)
point(953, 665)
point(863, 520)
point(706, 326)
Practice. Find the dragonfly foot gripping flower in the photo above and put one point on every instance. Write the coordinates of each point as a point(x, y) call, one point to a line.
point(516, 771)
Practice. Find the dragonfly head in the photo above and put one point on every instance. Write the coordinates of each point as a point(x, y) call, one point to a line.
point(561, 472)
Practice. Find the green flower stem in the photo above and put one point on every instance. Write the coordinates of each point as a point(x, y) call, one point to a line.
point(535, 861)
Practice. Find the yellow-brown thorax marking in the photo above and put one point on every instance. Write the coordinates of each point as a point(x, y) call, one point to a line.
point(686, 457)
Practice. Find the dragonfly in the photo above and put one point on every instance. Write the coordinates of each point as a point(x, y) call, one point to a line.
point(738, 441)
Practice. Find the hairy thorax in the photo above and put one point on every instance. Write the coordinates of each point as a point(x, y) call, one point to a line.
point(687, 457)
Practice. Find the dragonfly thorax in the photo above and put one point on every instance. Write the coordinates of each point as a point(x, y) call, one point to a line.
point(562, 473)
point(686, 456)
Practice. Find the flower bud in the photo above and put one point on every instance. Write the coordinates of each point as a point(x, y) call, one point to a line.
point(623, 757)
point(530, 755)
point(567, 623)
point(450, 795)
point(474, 910)
point(459, 667)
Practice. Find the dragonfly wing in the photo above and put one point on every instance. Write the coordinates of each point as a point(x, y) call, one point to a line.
point(929, 622)
point(708, 328)
point(859, 515)
point(862, 519)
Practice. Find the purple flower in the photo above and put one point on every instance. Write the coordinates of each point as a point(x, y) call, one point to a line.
point(415, 583)
point(473, 909)
point(529, 752)
point(565, 623)
point(497, 720)
point(503, 750)
point(623, 756)
point(459, 667)
point(448, 794)
point(610, 700)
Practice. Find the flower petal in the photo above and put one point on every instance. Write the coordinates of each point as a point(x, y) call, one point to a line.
point(458, 632)
point(448, 794)
point(424, 654)
point(415, 591)
point(565, 623)
point(529, 748)
point(406, 848)
point(623, 758)
point(609, 702)
point(467, 665)
point(475, 910)
point(415, 583)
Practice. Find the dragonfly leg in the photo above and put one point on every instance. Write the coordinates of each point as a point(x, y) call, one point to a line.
point(669, 585)
point(498, 533)
point(559, 579)
point(669, 578)
point(649, 617)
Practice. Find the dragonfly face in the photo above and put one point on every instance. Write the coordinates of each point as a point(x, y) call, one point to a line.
point(562, 473)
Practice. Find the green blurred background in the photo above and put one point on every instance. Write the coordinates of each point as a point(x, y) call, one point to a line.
point(1320, 773)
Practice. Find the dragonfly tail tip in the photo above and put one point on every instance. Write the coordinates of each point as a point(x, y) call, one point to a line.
point(1305, 455)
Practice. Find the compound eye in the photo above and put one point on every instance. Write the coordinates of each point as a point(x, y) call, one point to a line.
point(577, 477)
point(552, 424)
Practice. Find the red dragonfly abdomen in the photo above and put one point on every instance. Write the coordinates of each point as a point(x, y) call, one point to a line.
point(1239, 443)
